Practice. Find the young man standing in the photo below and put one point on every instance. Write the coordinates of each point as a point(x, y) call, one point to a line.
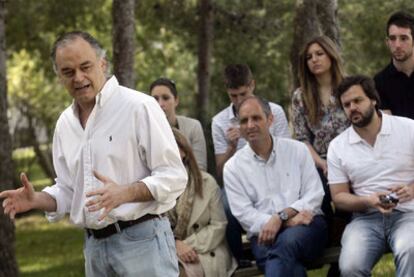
point(395, 83)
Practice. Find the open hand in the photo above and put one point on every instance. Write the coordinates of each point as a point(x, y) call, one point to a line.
point(110, 196)
point(19, 200)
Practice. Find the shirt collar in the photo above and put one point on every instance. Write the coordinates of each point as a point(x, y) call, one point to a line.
point(107, 91)
point(385, 129)
point(103, 96)
point(257, 158)
point(231, 113)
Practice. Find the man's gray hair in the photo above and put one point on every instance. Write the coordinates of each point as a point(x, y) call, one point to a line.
point(66, 38)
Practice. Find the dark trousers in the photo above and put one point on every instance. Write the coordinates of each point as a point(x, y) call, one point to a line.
point(291, 247)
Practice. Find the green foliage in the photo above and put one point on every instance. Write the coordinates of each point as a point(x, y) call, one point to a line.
point(363, 33)
point(32, 92)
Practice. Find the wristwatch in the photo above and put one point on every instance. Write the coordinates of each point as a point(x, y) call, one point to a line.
point(283, 215)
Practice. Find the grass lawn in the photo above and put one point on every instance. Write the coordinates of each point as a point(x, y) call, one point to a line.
point(55, 249)
point(46, 250)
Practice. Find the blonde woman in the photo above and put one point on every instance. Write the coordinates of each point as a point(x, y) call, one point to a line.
point(199, 222)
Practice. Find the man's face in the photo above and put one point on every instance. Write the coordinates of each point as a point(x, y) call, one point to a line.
point(358, 107)
point(254, 124)
point(81, 71)
point(400, 43)
point(237, 95)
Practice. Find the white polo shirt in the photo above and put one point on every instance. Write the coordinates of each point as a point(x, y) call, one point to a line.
point(376, 168)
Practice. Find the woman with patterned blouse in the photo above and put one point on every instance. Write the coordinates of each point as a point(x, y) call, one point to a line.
point(317, 117)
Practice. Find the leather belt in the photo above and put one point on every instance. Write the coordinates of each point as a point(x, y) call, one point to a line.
point(118, 227)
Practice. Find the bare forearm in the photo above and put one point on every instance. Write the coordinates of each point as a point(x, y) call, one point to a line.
point(44, 202)
point(315, 156)
point(139, 192)
point(350, 202)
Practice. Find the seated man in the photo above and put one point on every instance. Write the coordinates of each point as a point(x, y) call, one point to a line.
point(275, 193)
point(370, 173)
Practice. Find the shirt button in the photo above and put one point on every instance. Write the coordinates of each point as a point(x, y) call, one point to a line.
point(212, 254)
point(195, 226)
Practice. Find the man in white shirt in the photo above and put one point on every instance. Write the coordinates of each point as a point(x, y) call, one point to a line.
point(225, 125)
point(371, 173)
point(227, 139)
point(275, 193)
point(117, 164)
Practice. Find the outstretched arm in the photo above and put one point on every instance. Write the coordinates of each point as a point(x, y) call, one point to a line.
point(25, 199)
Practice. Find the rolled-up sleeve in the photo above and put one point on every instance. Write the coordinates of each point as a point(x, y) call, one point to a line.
point(157, 146)
point(61, 191)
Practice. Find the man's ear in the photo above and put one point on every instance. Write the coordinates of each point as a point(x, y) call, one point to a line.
point(177, 101)
point(253, 84)
point(104, 64)
point(271, 119)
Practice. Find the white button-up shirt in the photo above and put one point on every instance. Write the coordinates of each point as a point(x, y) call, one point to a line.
point(226, 119)
point(369, 169)
point(128, 139)
point(257, 189)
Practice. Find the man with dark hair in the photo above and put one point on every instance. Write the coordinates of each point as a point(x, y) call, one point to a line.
point(117, 164)
point(371, 173)
point(276, 194)
point(395, 83)
point(240, 84)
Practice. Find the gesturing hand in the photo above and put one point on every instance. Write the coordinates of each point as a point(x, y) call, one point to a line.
point(19, 200)
point(110, 196)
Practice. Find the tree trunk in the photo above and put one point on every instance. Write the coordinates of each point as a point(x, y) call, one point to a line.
point(123, 17)
point(8, 265)
point(205, 48)
point(43, 157)
point(313, 18)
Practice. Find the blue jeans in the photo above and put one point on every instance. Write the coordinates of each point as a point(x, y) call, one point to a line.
point(369, 236)
point(145, 249)
point(291, 247)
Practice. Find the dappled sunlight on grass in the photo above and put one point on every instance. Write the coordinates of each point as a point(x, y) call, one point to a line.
point(48, 249)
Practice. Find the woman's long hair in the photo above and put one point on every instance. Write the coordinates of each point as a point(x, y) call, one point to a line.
point(194, 173)
point(308, 82)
